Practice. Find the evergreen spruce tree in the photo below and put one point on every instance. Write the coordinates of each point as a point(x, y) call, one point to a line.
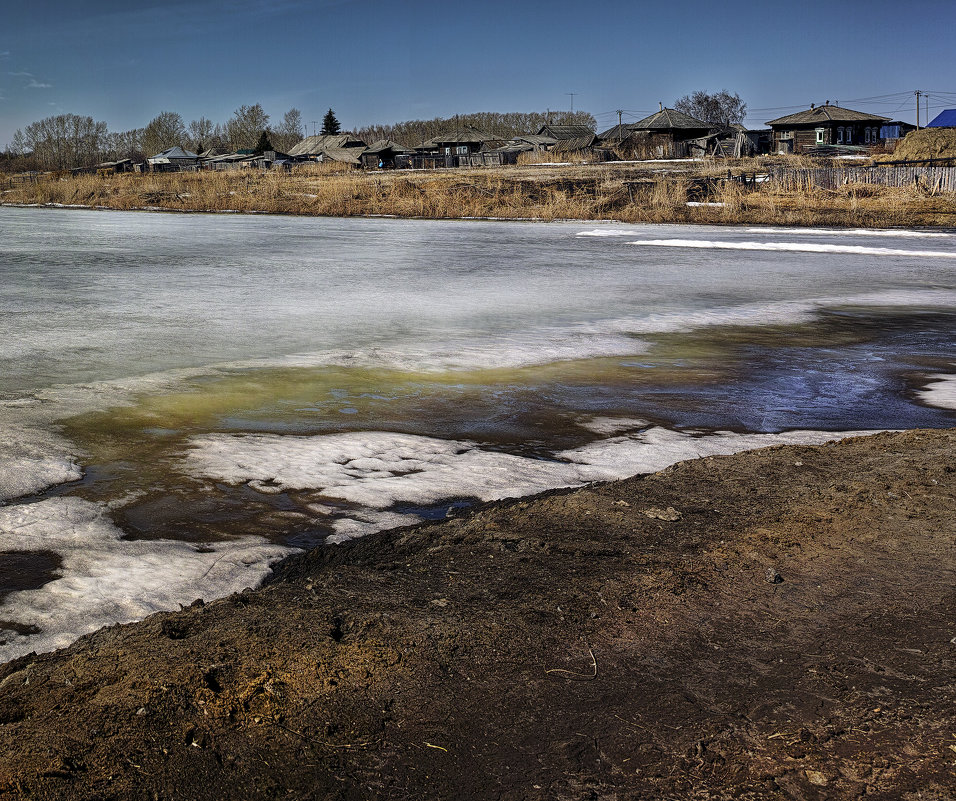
point(330, 125)
point(263, 144)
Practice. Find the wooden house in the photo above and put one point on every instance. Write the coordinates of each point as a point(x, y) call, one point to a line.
point(563, 132)
point(382, 154)
point(458, 142)
point(826, 125)
point(665, 134)
point(173, 159)
point(325, 147)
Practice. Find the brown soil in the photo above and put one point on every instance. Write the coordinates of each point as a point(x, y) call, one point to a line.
point(777, 624)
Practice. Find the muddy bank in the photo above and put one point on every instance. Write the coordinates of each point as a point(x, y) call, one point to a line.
point(777, 624)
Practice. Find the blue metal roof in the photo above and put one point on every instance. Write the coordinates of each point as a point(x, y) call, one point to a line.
point(945, 119)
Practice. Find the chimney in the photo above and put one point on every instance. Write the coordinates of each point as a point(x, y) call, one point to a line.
point(813, 106)
point(660, 104)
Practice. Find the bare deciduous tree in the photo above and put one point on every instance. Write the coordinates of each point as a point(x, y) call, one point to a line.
point(246, 125)
point(200, 134)
point(164, 131)
point(290, 131)
point(720, 108)
point(63, 141)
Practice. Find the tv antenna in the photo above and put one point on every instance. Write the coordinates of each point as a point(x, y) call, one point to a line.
point(572, 94)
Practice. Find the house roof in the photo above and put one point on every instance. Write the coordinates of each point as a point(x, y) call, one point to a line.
point(173, 153)
point(617, 134)
point(315, 145)
point(578, 143)
point(827, 113)
point(669, 119)
point(387, 144)
point(348, 155)
point(945, 119)
point(537, 140)
point(565, 131)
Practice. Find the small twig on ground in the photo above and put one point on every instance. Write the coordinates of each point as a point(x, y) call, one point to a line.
point(581, 676)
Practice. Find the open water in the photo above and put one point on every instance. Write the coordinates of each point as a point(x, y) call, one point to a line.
point(185, 399)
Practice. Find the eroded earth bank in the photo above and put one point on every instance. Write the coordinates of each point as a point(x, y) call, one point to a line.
point(779, 624)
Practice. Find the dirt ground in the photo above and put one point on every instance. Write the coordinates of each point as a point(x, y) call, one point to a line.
point(779, 624)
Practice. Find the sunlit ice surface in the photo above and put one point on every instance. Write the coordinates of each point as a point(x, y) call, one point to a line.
point(181, 391)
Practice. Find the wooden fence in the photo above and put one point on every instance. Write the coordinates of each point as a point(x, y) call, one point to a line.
point(930, 178)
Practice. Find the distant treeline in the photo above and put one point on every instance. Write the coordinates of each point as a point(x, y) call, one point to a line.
point(70, 140)
point(504, 125)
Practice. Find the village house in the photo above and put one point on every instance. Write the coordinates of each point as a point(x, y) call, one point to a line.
point(343, 148)
point(458, 142)
point(665, 134)
point(825, 125)
point(383, 153)
point(173, 159)
point(565, 132)
point(449, 148)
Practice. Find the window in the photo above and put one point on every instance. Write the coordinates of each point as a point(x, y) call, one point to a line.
point(462, 150)
point(867, 136)
point(786, 134)
point(820, 133)
point(840, 135)
point(849, 136)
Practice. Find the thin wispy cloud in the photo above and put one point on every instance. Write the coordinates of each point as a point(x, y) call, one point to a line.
point(33, 83)
point(4, 54)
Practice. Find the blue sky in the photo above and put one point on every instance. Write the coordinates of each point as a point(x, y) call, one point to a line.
point(124, 61)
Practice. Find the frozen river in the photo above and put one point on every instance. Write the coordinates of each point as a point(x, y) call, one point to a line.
point(186, 398)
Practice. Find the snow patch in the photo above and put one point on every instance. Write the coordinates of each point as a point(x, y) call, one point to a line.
point(377, 470)
point(941, 393)
point(106, 579)
point(791, 247)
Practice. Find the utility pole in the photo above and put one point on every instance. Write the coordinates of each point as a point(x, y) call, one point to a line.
point(572, 100)
point(619, 123)
point(917, 93)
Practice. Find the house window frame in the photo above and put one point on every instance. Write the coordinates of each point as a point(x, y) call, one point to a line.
point(840, 134)
point(461, 150)
point(821, 135)
point(867, 135)
point(848, 139)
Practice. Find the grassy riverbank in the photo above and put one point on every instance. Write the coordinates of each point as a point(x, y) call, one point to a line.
point(621, 191)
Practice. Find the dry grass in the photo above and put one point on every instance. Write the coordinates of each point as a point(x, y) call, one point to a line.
point(630, 193)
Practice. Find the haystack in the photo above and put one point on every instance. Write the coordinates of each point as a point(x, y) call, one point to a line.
point(928, 143)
